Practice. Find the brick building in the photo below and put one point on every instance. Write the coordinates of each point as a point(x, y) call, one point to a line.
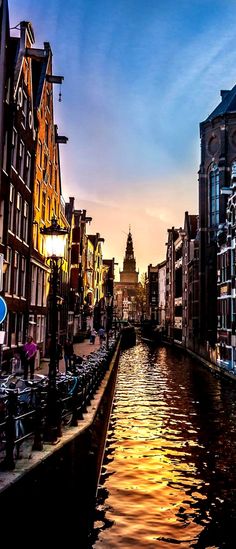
point(218, 152)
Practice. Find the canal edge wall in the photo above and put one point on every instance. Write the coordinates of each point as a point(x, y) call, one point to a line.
point(214, 368)
point(63, 476)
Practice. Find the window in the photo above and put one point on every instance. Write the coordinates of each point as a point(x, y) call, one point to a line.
point(21, 159)
point(46, 133)
point(26, 72)
point(33, 284)
point(55, 179)
point(50, 173)
point(31, 325)
point(39, 287)
point(214, 196)
point(23, 276)
point(16, 273)
point(38, 195)
point(40, 154)
point(35, 235)
point(25, 222)
point(45, 275)
point(48, 208)
point(20, 328)
point(6, 329)
point(233, 262)
point(224, 314)
point(14, 147)
point(48, 100)
point(24, 109)
point(11, 208)
point(43, 325)
point(8, 271)
point(43, 210)
point(38, 329)
point(13, 328)
point(4, 162)
point(8, 90)
point(45, 165)
point(28, 169)
point(45, 162)
point(18, 214)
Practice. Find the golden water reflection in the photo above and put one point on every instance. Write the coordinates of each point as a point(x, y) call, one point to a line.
point(168, 472)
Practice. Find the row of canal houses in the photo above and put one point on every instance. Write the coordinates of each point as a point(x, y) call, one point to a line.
point(192, 294)
point(31, 194)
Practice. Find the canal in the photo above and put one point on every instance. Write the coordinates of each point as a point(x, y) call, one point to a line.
point(168, 476)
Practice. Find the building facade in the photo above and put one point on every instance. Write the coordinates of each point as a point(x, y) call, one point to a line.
point(18, 186)
point(162, 294)
point(218, 152)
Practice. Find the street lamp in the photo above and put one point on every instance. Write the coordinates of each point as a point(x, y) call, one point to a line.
point(55, 242)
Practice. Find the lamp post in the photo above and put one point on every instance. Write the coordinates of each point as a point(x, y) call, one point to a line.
point(55, 242)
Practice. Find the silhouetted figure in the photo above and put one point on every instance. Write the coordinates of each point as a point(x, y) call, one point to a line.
point(68, 354)
point(30, 349)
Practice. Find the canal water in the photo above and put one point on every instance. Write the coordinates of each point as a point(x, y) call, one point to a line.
point(168, 476)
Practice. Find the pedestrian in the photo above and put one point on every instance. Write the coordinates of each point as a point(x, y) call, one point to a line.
point(68, 354)
point(30, 350)
point(93, 336)
point(101, 333)
point(16, 366)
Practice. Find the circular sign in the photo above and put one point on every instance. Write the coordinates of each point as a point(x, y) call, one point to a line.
point(3, 309)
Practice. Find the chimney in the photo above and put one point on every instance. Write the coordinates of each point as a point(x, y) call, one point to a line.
point(72, 202)
point(223, 93)
point(26, 35)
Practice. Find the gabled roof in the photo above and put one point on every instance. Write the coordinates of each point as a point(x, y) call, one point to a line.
point(39, 70)
point(227, 105)
point(191, 225)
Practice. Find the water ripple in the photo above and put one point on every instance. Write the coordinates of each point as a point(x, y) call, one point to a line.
point(168, 473)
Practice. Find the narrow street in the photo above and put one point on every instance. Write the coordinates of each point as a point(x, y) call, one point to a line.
point(81, 349)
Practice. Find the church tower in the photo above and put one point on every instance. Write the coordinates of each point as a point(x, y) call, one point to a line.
point(129, 275)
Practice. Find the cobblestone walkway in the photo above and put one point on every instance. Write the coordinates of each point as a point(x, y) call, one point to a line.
point(81, 349)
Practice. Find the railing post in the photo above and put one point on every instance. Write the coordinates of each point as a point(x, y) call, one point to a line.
point(38, 439)
point(74, 421)
point(9, 463)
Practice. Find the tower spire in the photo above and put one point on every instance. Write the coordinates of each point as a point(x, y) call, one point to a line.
point(129, 264)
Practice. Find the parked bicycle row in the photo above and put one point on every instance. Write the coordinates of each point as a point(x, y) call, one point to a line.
point(24, 404)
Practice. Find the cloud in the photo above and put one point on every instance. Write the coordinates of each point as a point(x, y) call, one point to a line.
point(163, 215)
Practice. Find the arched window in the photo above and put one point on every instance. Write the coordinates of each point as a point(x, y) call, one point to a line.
point(214, 195)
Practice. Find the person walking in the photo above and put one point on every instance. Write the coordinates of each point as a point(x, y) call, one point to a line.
point(101, 333)
point(68, 353)
point(93, 336)
point(30, 350)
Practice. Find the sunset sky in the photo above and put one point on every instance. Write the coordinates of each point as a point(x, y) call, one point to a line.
point(139, 77)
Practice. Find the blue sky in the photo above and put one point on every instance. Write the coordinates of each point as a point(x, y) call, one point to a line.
point(139, 77)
